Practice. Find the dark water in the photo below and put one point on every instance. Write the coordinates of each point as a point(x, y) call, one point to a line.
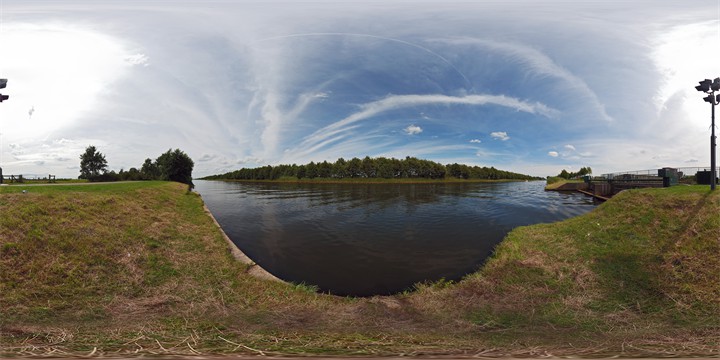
point(366, 239)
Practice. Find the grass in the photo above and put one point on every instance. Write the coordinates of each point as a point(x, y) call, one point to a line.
point(117, 269)
point(554, 182)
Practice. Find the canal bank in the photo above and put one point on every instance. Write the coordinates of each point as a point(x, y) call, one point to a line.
point(253, 268)
point(140, 269)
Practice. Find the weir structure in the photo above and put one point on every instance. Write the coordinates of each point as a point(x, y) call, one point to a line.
point(605, 186)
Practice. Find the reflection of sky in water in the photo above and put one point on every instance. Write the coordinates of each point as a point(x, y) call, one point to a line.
point(372, 238)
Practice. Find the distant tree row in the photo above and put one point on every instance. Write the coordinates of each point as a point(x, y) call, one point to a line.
point(173, 165)
point(387, 168)
point(574, 175)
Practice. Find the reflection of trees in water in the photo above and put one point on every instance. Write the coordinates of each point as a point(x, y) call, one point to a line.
point(374, 196)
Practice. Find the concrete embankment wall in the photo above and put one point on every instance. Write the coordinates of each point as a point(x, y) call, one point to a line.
point(253, 268)
point(571, 187)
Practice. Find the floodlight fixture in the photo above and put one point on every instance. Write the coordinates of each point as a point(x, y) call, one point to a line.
point(704, 85)
point(710, 99)
point(3, 84)
point(715, 86)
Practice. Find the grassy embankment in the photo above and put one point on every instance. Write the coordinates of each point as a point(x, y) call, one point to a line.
point(139, 267)
point(555, 183)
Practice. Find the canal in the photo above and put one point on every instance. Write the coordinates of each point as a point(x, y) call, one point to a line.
point(367, 239)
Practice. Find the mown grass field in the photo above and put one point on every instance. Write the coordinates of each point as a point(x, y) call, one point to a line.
point(139, 268)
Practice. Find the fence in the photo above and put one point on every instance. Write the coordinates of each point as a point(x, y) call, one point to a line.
point(22, 179)
point(683, 172)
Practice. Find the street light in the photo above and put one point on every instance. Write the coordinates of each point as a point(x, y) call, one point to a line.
point(710, 87)
point(3, 84)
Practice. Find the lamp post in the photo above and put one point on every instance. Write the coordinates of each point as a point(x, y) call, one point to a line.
point(3, 84)
point(710, 87)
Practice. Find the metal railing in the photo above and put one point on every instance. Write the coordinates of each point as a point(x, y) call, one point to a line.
point(11, 179)
point(682, 172)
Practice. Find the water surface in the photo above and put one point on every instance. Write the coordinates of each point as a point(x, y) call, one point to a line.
point(365, 239)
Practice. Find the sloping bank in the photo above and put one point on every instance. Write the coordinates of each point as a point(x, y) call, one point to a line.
point(254, 269)
point(141, 268)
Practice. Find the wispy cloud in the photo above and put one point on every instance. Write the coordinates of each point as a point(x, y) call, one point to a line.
point(207, 157)
point(394, 102)
point(537, 63)
point(230, 100)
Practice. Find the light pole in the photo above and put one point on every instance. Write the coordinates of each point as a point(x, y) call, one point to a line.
point(710, 87)
point(3, 84)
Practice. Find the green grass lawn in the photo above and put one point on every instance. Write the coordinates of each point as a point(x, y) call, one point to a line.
point(140, 268)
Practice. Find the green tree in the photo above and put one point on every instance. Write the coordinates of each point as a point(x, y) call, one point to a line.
point(175, 166)
point(149, 170)
point(311, 170)
point(354, 167)
point(92, 164)
point(339, 168)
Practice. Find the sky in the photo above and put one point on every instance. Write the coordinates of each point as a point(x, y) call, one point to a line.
point(526, 86)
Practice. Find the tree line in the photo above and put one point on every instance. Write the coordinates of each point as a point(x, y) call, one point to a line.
point(575, 175)
point(381, 167)
point(173, 165)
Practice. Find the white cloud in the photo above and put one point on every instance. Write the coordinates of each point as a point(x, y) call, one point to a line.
point(221, 91)
point(63, 141)
point(475, 141)
point(16, 149)
point(500, 135)
point(137, 59)
point(686, 54)
point(51, 66)
point(413, 130)
point(570, 147)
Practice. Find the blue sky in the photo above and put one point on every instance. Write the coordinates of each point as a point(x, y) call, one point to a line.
point(527, 86)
